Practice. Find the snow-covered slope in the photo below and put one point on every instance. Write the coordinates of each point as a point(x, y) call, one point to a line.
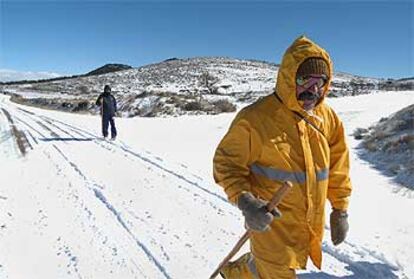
point(389, 144)
point(171, 87)
point(145, 206)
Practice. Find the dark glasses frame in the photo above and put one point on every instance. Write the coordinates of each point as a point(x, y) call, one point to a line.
point(310, 80)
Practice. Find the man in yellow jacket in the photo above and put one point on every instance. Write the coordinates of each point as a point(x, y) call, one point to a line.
point(291, 135)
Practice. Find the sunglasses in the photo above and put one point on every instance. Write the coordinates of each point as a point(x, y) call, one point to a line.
point(310, 80)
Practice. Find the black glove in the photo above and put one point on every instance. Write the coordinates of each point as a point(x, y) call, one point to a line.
point(256, 215)
point(339, 226)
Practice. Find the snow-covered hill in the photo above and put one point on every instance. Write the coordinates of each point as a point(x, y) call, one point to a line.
point(178, 86)
point(145, 206)
point(389, 144)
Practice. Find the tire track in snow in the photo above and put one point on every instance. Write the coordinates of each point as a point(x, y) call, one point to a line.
point(42, 125)
point(128, 150)
point(80, 132)
point(38, 120)
point(49, 122)
point(111, 146)
point(102, 198)
point(179, 176)
point(57, 127)
point(73, 165)
point(32, 121)
point(32, 137)
point(20, 137)
point(96, 229)
point(53, 134)
point(30, 127)
point(114, 146)
point(98, 194)
point(134, 154)
point(47, 128)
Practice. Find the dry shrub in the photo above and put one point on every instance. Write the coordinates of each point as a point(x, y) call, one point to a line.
point(224, 105)
point(371, 145)
point(193, 106)
point(83, 89)
point(359, 133)
point(81, 106)
point(379, 134)
point(408, 140)
point(394, 168)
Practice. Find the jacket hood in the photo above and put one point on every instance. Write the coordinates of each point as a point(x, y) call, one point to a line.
point(301, 49)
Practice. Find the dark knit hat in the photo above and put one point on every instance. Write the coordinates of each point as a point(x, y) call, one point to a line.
point(107, 89)
point(313, 66)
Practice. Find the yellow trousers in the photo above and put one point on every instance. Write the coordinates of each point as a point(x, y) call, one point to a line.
point(247, 267)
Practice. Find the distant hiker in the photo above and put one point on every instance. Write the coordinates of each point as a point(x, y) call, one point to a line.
point(290, 135)
point(107, 103)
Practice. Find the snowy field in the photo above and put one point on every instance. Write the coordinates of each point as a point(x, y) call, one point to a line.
point(145, 206)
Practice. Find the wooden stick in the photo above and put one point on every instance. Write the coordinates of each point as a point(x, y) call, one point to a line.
point(277, 197)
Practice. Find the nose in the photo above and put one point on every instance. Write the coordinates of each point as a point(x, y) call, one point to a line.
point(314, 88)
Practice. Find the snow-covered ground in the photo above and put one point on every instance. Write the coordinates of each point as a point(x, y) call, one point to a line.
point(34, 94)
point(146, 206)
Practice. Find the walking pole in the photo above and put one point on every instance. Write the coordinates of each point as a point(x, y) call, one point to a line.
point(277, 197)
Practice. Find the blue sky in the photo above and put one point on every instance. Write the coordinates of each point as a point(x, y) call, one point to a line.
point(371, 38)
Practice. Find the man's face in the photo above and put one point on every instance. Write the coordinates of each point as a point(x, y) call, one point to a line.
point(309, 90)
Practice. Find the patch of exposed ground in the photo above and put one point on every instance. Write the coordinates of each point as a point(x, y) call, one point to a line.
point(20, 137)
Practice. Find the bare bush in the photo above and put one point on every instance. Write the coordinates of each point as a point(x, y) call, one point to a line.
point(359, 133)
point(224, 105)
point(371, 145)
point(193, 106)
point(81, 106)
point(208, 81)
point(83, 89)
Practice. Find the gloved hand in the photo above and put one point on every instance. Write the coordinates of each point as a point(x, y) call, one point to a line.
point(339, 226)
point(256, 215)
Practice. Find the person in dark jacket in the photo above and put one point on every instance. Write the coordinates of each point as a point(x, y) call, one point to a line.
point(107, 103)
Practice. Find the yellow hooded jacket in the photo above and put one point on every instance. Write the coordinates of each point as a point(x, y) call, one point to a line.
point(274, 140)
